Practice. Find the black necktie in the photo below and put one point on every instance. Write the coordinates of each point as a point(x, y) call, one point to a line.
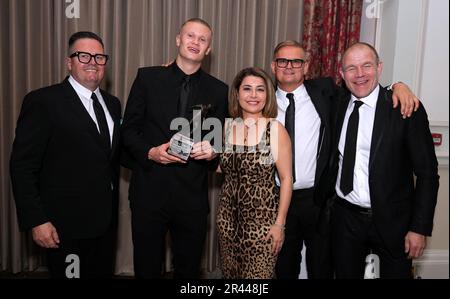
point(184, 97)
point(289, 124)
point(101, 120)
point(348, 165)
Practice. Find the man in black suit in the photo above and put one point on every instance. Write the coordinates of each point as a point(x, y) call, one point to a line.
point(64, 165)
point(308, 106)
point(166, 192)
point(378, 205)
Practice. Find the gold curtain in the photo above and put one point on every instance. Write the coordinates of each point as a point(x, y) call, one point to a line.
point(34, 36)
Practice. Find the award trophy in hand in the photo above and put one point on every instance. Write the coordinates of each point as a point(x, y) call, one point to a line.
point(180, 144)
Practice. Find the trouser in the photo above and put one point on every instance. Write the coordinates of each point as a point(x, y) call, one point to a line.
point(354, 236)
point(93, 257)
point(301, 227)
point(187, 234)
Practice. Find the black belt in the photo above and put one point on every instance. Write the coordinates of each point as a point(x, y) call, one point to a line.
point(348, 205)
point(303, 192)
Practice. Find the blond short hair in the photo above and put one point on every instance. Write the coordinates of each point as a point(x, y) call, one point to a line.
point(287, 43)
point(197, 20)
point(361, 44)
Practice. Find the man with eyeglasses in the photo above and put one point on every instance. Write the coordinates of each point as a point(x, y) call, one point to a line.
point(64, 165)
point(305, 108)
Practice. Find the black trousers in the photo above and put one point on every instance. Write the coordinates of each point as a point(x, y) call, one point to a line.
point(187, 235)
point(95, 256)
point(301, 226)
point(354, 236)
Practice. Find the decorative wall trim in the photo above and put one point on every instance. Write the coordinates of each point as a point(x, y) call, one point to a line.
point(434, 123)
point(432, 265)
point(421, 43)
point(378, 29)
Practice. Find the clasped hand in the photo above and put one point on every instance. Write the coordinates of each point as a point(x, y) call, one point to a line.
point(200, 151)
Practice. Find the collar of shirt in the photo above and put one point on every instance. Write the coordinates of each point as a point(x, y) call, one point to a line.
point(179, 74)
point(84, 95)
point(81, 90)
point(370, 100)
point(300, 95)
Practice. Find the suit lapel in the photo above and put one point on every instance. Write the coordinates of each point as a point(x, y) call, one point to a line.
point(322, 107)
point(168, 95)
point(199, 94)
point(379, 125)
point(202, 95)
point(316, 95)
point(338, 121)
point(342, 109)
point(115, 115)
point(79, 110)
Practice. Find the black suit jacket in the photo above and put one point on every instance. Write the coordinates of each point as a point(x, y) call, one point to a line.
point(323, 93)
point(60, 172)
point(400, 149)
point(151, 107)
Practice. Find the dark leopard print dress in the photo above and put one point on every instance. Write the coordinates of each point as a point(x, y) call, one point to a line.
point(247, 209)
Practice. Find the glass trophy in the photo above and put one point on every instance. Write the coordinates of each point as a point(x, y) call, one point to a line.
point(180, 144)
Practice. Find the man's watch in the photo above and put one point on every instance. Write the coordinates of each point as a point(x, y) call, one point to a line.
point(391, 87)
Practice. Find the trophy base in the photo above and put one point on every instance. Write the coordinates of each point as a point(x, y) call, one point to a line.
point(180, 146)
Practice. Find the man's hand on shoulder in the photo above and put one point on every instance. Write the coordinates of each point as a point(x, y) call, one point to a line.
point(409, 103)
point(167, 63)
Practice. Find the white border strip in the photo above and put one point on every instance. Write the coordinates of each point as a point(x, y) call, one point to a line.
point(433, 264)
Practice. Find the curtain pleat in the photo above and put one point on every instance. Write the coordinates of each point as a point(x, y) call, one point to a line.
point(330, 26)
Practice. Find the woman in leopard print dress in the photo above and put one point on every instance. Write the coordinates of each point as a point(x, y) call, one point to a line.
point(252, 209)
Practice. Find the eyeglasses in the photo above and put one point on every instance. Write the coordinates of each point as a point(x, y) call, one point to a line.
point(85, 57)
point(295, 63)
